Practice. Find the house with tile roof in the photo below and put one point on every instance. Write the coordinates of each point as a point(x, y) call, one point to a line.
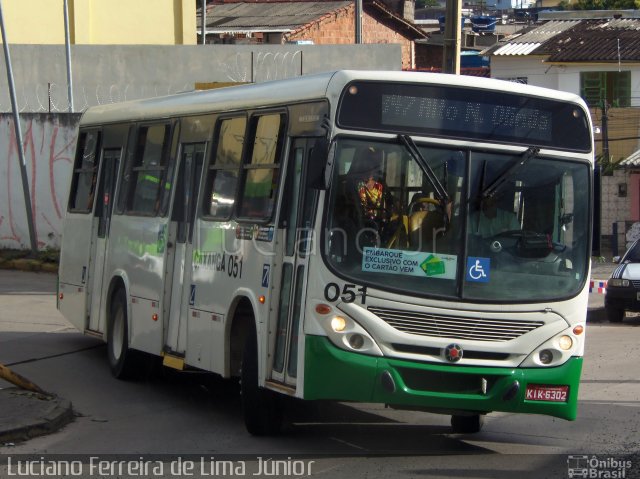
point(319, 23)
point(597, 58)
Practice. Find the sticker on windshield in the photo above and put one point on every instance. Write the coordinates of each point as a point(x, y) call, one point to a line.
point(478, 269)
point(410, 263)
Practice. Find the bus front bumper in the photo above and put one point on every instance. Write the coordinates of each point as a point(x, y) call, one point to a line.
point(335, 374)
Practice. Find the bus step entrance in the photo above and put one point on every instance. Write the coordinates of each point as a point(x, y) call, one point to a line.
point(171, 361)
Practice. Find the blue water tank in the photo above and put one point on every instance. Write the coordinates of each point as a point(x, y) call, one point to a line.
point(473, 59)
point(441, 22)
point(483, 24)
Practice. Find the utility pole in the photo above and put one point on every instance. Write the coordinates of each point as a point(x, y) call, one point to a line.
point(605, 133)
point(451, 40)
point(600, 168)
point(67, 43)
point(358, 26)
point(19, 146)
point(203, 21)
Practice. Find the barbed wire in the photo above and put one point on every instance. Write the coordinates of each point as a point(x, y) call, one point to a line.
point(52, 97)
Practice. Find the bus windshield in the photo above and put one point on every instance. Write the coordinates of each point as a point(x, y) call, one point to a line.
point(458, 223)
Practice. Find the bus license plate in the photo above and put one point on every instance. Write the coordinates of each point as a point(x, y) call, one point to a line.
point(540, 392)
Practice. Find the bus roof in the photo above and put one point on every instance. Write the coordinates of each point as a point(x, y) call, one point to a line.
point(299, 89)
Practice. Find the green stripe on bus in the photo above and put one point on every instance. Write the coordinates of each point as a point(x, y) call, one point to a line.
point(332, 373)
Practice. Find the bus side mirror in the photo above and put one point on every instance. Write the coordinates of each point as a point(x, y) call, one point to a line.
point(320, 165)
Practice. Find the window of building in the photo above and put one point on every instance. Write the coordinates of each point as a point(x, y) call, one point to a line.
point(222, 178)
point(614, 87)
point(85, 172)
point(146, 179)
point(260, 181)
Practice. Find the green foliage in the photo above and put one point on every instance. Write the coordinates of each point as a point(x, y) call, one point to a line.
point(602, 4)
point(49, 255)
point(607, 166)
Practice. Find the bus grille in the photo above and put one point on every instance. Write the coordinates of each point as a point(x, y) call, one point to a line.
point(477, 329)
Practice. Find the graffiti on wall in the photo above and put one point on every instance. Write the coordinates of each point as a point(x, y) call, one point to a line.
point(48, 142)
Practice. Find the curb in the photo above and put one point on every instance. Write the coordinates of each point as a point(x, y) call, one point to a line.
point(32, 265)
point(37, 420)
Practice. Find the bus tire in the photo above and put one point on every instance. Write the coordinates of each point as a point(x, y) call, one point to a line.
point(260, 407)
point(467, 424)
point(121, 357)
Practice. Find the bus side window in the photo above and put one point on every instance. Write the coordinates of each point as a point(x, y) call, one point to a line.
point(260, 181)
point(147, 175)
point(85, 172)
point(223, 173)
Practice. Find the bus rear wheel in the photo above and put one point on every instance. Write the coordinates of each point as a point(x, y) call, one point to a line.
point(121, 358)
point(260, 407)
point(467, 424)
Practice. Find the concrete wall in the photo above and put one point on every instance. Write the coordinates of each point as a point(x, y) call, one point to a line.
point(49, 144)
point(107, 74)
point(101, 22)
point(614, 207)
point(116, 73)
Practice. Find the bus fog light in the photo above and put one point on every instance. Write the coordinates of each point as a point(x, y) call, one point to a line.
point(545, 356)
point(565, 342)
point(356, 341)
point(338, 324)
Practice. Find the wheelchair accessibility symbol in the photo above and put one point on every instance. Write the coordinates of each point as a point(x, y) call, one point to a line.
point(478, 269)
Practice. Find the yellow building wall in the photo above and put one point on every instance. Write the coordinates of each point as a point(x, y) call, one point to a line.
point(101, 22)
point(33, 21)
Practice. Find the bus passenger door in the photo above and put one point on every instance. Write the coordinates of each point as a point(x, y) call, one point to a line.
point(103, 211)
point(296, 223)
point(183, 216)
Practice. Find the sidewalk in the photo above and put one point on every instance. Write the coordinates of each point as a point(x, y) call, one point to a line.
point(600, 273)
point(24, 415)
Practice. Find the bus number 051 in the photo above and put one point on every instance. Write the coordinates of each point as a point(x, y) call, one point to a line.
point(234, 268)
point(348, 294)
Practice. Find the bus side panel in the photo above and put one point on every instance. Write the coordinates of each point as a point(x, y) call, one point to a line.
point(212, 288)
point(75, 267)
point(137, 247)
point(73, 304)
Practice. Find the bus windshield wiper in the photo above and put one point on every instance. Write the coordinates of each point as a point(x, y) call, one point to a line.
point(491, 190)
point(439, 190)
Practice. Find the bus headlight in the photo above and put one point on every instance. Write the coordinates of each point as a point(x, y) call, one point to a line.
point(565, 342)
point(555, 351)
point(338, 324)
point(545, 356)
point(347, 334)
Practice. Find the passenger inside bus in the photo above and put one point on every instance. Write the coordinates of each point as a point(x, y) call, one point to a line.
point(375, 204)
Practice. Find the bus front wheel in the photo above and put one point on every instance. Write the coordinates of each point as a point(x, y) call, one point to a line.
point(121, 357)
point(467, 424)
point(260, 407)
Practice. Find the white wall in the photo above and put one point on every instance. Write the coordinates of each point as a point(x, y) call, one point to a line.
point(530, 67)
point(559, 77)
point(49, 143)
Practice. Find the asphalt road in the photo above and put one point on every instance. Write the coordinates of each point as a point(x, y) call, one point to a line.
point(173, 414)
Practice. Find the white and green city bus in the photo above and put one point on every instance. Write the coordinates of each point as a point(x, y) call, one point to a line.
point(229, 234)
